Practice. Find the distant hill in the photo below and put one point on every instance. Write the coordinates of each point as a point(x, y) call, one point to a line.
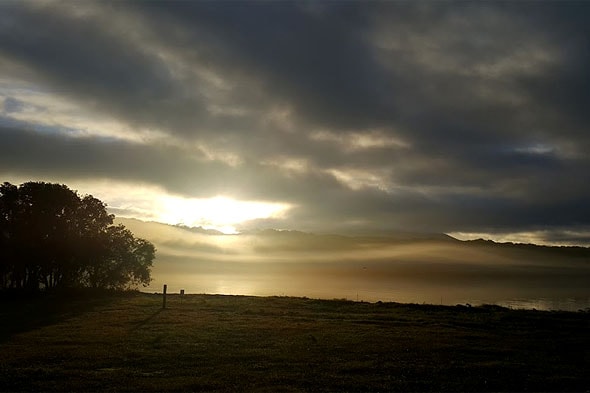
point(419, 244)
point(570, 251)
point(199, 230)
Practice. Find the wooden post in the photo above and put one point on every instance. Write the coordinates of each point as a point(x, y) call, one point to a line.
point(164, 296)
point(181, 295)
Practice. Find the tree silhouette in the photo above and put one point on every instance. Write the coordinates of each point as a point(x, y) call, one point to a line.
point(51, 237)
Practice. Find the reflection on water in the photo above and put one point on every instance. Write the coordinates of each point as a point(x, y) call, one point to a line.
point(307, 284)
point(566, 304)
point(437, 270)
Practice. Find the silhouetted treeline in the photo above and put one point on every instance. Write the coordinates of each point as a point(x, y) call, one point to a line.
point(51, 237)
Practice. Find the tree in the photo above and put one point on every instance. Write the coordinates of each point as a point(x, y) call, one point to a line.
point(51, 237)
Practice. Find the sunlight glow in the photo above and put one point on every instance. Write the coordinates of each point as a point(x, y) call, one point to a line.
point(219, 213)
point(151, 203)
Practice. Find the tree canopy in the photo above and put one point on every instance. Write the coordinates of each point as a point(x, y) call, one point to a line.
point(52, 237)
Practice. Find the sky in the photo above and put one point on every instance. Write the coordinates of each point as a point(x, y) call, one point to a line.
point(466, 118)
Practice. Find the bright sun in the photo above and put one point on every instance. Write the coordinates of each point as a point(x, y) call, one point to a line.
point(219, 213)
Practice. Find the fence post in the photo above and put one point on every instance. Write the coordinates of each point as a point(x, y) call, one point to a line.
point(164, 296)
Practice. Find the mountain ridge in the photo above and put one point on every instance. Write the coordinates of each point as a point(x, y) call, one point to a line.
point(294, 239)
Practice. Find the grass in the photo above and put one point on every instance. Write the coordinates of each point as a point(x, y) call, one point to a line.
point(239, 343)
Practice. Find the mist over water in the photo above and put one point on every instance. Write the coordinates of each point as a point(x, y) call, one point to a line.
point(433, 270)
point(331, 284)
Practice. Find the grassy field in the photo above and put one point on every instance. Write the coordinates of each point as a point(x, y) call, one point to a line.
point(237, 343)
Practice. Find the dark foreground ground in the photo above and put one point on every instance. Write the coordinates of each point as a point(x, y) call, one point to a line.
point(229, 343)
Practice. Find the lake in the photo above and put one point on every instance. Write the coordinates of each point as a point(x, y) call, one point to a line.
point(434, 270)
point(449, 284)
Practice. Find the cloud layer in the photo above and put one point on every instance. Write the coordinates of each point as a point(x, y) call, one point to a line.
point(365, 117)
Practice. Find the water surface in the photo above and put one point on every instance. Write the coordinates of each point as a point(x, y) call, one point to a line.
point(434, 271)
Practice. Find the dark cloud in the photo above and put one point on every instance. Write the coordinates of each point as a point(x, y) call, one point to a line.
point(318, 62)
point(12, 105)
point(474, 115)
point(50, 154)
point(83, 59)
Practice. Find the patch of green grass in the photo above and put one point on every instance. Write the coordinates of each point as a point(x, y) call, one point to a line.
point(240, 343)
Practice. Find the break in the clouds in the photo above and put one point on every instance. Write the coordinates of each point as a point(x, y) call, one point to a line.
point(364, 117)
